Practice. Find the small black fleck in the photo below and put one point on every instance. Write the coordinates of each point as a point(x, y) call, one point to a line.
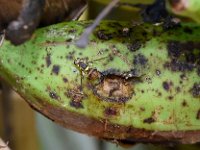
point(69, 40)
point(72, 31)
point(83, 65)
point(166, 85)
point(48, 60)
point(178, 89)
point(140, 60)
point(53, 95)
point(158, 72)
point(170, 97)
point(149, 120)
point(110, 111)
point(65, 80)
point(76, 104)
point(188, 30)
point(183, 77)
point(196, 90)
point(56, 69)
point(174, 49)
point(198, 71)
point(103, 36)
point(134, 46)
point(198, 115)
point(184, 103)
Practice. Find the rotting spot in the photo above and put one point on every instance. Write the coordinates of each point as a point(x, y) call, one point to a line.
point(140, 60)
point(184, 104)
point(149, 120)
point(76, 96)
point(134, 46)
point(158, 72)
point(188, 30)
point(183, 77)
point(166, 85)
point(72, 31)
point(111, 111)
point(170, 97)
point(103, 36)
point(70, 55)
point(65, 80)
point(184, 56)
point(196, 90)
point(56, 69)
point(48, 60)
point(114, 89)
point(53, 95)
point(173, 49)
point(76, 104)
point(198, 71)
point(198, 115)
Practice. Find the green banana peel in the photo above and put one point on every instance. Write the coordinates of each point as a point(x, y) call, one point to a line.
point(186, 8)
point(131, 83)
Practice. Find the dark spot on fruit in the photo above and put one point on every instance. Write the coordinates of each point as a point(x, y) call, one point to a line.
point(70, 55)
point(110, 111)
point(170, 97)
point(65, 80)
point(166, 85)
point(134, 46)
point(171, 23)
point(188, 30)
point(173, 49)
point(158, 72)
point(114, 88)
point(184, 104)
point(140, 60)
point(198, 71)
point(149, 120)
point(56, 69)
point(183, 77)
point(83, 65)
point(178, 89)
point(76, 96)
point(72, 31)
point(48, 60)
point(76, 104)
point(176, 65)
point(69, 40)
point(142, 109)
point(103, 36)
point(196, 90)
point(184, 56)
point(159, 94)
point(53, 95)
point(198, 115)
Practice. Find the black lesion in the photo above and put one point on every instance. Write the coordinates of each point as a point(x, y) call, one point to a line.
point(196, 90)
point(185, 56)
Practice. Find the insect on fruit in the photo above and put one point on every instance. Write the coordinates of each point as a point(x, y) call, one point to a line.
point(83, 66)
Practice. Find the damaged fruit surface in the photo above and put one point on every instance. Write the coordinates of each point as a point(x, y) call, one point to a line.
point(131, 83)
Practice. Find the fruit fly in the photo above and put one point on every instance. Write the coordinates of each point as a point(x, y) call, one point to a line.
point(84, 66)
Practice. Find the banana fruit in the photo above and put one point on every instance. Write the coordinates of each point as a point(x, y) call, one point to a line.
point(132, 83)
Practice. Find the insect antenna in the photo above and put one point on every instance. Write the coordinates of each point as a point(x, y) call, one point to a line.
point(83, 41)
